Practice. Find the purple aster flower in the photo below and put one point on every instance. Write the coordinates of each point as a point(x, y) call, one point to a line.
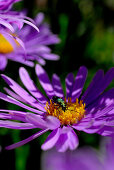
point(35, 45)
point(92, 112)
point(85, 158)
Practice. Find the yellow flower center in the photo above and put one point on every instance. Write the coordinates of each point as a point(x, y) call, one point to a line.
point(5, 46)
point(73, 113)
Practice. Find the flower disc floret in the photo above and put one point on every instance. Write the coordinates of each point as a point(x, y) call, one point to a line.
point(73, 113)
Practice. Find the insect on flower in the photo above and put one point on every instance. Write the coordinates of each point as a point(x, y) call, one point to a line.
point(59, 102)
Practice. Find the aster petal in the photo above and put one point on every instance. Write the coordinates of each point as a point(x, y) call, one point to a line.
point(95, 82)
point(109, 76)
point(69, 84)
point(36, 120)
point(21, 43)
point(40, 60)
point(105, 111)
point(50, 56)
point(38, 49)
point(109, 121)
point(57, 86)
point(7, 25)
point(91, 125)
point(51, 139)
point(3, 62)
point(17, 19)
point(5, 116)
point(79, 83)
point(14, 95)
point(29, 84)
point(103, 101)
point(13, 111)
point(13, 115)
point(93, 129)
point(15, 125)
point(21, 92)
point(44, 81)
point(100, 87)
point(48, 39)
point(67, 139)
point(52, 122)
point(20, 58)
point(14, 101)
point(62, 143)
point(84, 123)
point(18, 144)
point(73, 140)
point(106, 131)
point(39, 18)
point(29, 23)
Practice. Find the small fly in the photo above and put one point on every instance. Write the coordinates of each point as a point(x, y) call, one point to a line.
point(60, 102)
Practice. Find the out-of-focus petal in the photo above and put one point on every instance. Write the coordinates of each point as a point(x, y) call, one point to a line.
point(3, 62)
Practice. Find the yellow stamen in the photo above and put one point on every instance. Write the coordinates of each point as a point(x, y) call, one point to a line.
point(73, 113)
point(5, 46)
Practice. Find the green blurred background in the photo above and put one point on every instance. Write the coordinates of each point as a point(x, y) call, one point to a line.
point(86, 30)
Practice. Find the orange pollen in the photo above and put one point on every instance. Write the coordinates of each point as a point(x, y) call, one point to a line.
point(5, 46)
point(73, 113)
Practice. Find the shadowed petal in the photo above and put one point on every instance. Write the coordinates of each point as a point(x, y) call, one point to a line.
point(57, 86)
point(79, 83)
point(44, 81)
point(94, 83)
point(106, 131)
point(100, 87)
point(51, 140)
point(69, 84)
point(67, 139)
point(102, 102)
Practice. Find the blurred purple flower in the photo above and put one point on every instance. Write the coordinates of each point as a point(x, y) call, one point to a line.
point(85, 158)
point(92, 112)
point(9, 21)
point(9, 18)
point(35, 45)
point(7, 4)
